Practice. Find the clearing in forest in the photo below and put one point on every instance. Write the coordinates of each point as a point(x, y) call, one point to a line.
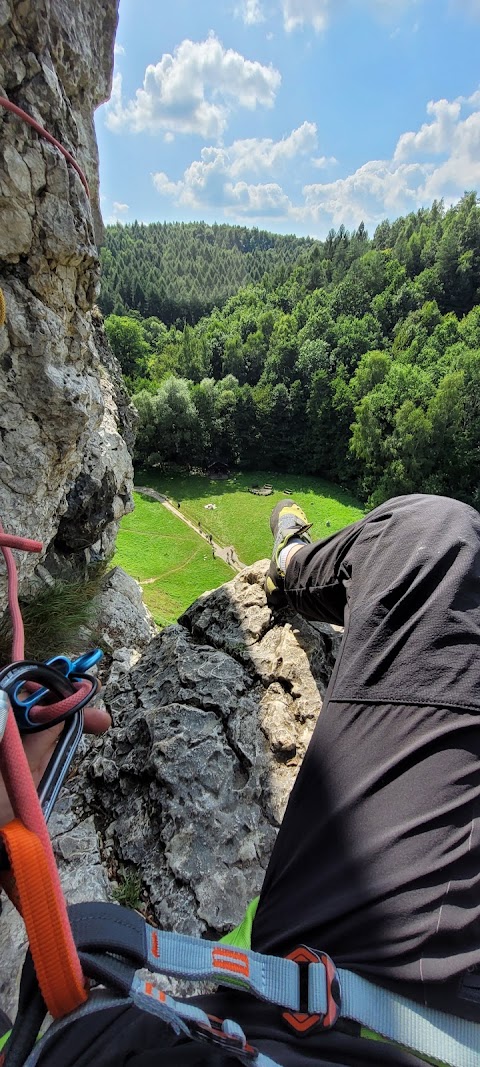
point(172, 563)
point(241, 519)
point(154, 544)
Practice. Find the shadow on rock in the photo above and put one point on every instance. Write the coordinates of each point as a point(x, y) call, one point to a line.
point(211, 724)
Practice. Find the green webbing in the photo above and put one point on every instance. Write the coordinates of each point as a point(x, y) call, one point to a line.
point(241, 936)
point(4, 1038)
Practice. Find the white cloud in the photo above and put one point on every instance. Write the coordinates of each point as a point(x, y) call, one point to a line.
point(257, 201)
point(215, 180)
point(255, 155)
point(322, 162)
point(311, 12)
point(194, 91)
point(205, 187)
point(434, 137)
point(251, 12)
point(118, 211)
point(165, 187)
point(440, 159)
point(317, 13)
point(376, 189)
point(115, 102)
point(118, 49)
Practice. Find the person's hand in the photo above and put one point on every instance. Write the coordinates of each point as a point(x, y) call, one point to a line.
point(39, 747)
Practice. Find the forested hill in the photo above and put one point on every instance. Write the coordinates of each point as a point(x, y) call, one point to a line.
point(361, 365)
point(180, 271)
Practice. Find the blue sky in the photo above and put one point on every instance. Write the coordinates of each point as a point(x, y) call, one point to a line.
point(291, 115)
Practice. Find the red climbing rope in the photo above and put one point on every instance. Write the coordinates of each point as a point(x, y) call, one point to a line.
point(28, 842)
point(21, 114)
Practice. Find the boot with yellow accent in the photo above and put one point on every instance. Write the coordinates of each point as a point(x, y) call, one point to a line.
point(287, 521)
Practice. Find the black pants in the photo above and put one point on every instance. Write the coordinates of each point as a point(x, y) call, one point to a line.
point(378, 857)
point(377, 860)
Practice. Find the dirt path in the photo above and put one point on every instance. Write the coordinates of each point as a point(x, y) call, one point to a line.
point(228, 555)
point(173, 570)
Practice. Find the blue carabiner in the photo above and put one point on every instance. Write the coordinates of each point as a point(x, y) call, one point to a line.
point(64, 665)
point(14, 678)
point(89, 659)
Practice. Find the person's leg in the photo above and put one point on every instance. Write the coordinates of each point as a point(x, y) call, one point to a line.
point(378, 857)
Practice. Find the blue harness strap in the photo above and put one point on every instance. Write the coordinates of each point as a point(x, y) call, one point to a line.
point(426, 1031)
point(182, 1018)
point(115, 943)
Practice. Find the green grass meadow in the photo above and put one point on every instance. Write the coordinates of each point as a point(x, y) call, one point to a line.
point(241, 519)
point(172, 563)
point(175, 565)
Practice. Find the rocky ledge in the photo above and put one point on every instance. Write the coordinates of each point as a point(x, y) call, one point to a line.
point(180, 803)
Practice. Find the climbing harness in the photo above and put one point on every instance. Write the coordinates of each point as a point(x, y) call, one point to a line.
point(115, 943)
point(108, 945)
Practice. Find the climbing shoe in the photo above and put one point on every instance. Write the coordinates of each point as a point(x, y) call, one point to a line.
point(287, 521)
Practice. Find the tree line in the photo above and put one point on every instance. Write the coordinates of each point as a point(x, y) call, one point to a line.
point(180, 271)
point(360, 363)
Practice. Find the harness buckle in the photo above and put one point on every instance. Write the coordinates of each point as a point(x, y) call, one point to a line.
point(304, 1022)
point(4, 710)
point(214, 1034)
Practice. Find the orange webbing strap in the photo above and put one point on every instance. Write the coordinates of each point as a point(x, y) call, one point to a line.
point(56, 963)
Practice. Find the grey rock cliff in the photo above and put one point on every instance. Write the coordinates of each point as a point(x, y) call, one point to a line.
point(183, 797)
point(210, 726)
point(65, 468)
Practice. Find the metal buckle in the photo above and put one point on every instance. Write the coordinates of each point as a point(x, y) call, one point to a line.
point(302, 1022)
point(4, 710)
point(214, 1034)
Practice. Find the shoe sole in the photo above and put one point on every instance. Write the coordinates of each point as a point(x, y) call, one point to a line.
point(274, 517)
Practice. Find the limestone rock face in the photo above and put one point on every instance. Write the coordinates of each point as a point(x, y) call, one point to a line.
point(122, 619)
point(65, 468)
point(183, 797)
point(210, 726)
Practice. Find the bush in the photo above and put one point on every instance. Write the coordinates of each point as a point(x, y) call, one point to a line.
point(54, 620)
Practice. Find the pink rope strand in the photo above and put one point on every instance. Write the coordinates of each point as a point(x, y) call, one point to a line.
point(21, 114)
point(13, 761)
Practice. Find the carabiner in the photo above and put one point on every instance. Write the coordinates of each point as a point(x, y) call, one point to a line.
point(66, 667)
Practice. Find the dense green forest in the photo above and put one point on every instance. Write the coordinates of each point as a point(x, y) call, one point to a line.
point(360, 363)
point(180, 271)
